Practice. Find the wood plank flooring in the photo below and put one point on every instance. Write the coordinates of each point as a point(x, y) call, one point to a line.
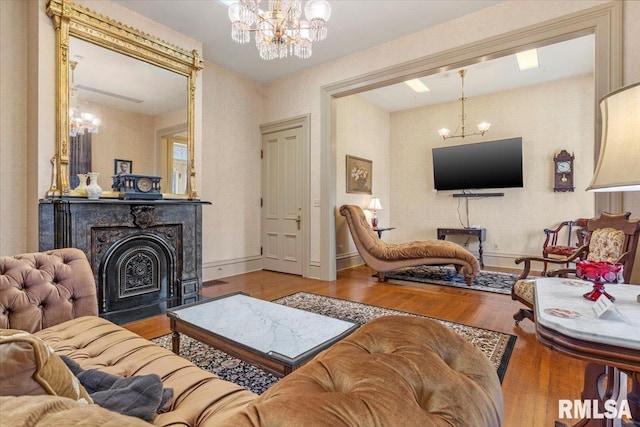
point(536, 376)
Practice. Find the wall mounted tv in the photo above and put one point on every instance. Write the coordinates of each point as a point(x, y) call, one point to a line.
point(483, 165)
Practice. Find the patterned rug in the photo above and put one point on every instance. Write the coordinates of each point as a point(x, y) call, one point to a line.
point(495, 345)
point(488, 281)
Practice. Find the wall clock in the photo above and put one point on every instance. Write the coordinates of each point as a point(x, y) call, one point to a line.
point(563, 172)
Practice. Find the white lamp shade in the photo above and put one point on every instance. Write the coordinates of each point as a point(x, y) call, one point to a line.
point(375, 205)
point(484, 126)
point(444, 132)
point(234, 12)
point(317, 9)
point(618, 167)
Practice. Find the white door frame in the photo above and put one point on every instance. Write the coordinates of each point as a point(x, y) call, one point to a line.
point(304, 123)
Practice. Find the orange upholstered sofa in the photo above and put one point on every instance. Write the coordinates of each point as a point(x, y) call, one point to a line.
point(393, 371)
point(384, 257)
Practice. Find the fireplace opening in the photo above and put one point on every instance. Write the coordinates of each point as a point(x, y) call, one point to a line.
point(137, 273)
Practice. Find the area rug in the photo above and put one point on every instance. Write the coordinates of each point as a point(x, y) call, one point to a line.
point(495, 345)
point(488, 281)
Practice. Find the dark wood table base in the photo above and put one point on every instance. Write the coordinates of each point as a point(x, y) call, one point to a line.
point(608, 379)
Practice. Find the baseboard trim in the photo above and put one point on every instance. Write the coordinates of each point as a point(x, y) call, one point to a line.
point(314, 271)
point(230, 267)
point(503, 260)
point(348, 260)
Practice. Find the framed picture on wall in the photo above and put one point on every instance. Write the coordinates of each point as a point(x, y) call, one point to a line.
point(122, 167)
point(359, 175)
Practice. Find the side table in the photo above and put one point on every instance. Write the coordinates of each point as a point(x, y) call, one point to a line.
point(566, 322)
point(479, 233)
point(380, 230)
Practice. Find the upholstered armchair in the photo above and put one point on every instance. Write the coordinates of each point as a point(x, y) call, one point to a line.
point(573, 232)
point(610, 237)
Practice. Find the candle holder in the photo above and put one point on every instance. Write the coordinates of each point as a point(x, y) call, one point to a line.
point(599, 273)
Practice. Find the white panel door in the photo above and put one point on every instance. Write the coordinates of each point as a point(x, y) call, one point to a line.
point(282, 201)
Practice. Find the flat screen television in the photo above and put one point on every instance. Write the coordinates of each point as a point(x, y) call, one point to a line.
point(483, 165)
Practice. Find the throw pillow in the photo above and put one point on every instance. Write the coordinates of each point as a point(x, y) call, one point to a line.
point(29, 367)
point(605, 244)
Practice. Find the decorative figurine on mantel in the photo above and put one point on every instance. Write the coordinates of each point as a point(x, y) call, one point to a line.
point(140, 187)
point(94, 191)
point(82, 184)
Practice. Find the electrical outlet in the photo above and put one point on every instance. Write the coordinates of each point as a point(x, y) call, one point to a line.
point(316, 203)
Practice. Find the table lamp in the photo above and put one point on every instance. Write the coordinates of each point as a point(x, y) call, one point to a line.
point(374, 206)
point(617, 168)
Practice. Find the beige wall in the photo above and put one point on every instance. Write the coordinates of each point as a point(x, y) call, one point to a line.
point(28, 98)
point(13, 128)
point(362, 130)
point(231, 173)
point(122, 135)
point(491, 22)
point(400, 144)
point(514, 222)
point(300, 93)
point(227, 126)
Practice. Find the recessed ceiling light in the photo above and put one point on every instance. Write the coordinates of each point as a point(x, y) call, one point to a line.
point(417, 85)
point(528, 59)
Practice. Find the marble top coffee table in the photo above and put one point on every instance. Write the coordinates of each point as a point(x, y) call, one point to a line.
point(274, 337)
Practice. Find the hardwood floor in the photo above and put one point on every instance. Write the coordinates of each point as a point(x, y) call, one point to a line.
point(536, 376)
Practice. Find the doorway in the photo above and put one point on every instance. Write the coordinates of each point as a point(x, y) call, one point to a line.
point(603, 21)
point(285, 196)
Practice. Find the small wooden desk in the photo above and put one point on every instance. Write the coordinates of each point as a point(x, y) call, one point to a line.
point(611, 346)
point(479, 233)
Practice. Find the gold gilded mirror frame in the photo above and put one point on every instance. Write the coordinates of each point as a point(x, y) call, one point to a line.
point(74, 20)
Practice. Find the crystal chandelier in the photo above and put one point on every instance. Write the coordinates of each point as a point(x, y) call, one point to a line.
point(79, 121)
point(279, 32)
point(482, 127)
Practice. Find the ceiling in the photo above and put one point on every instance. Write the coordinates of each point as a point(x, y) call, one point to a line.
point(364, 24)
point(557, 61)
point(354, 25)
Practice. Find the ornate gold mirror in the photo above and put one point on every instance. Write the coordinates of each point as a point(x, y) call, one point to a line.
point(136, 96)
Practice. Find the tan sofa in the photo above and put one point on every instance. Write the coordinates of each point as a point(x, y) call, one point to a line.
point(385, 257)
point(394, 371)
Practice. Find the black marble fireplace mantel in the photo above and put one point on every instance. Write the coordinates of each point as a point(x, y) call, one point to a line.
point(145, 255)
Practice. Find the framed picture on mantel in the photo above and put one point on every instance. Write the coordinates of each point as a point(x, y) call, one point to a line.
point(359, 175)
point(122, 167)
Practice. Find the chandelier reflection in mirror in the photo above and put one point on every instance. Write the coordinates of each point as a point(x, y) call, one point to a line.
point(79, 121)
point(482, 127)
point(279, 30)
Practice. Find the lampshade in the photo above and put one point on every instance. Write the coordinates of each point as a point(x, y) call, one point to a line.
point(375, 205)
point(618, 167)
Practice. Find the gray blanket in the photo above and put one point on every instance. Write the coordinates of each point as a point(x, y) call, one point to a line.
point(139, 396)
